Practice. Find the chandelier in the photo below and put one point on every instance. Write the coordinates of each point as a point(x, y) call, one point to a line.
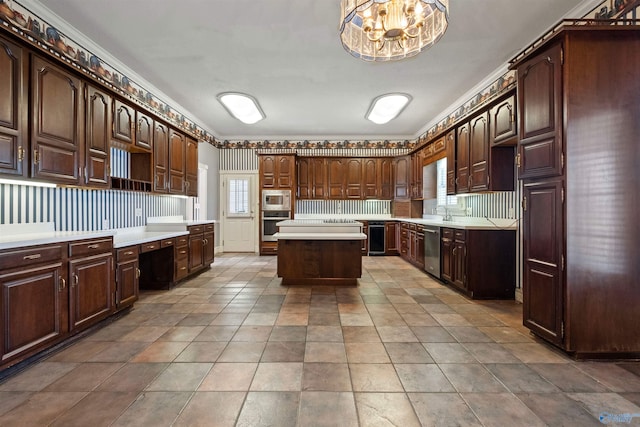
point(387, 30)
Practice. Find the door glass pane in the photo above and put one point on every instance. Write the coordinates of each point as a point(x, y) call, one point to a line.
point(238, 197)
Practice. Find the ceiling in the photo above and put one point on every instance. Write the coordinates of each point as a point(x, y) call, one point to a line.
point(287, 54)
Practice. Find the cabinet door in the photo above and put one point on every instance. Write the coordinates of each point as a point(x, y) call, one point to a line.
point(402, 170)
point(57, 140)
point(479, 153)
point(209, 246)
point(502, 119)
point(161, 158)
point(459, 264)
point(285, 171)
point(451, 162)
point(177, 150)
point(98, 139)
point(33, 303)
point(196, 252)
point(390, 237)
point(268, 171)
point(446, 256)
point(353, 179)
point(412, 245)
point(540, 103)
point(304, 190)
point(124, 122)
point(319, 178)
point(91, 290)
point(462, 159)
point(13, 109)
point(543, 235)
point(385, 169)
point(127, 275)
point(192, 167)
point(371, 179)
point(336, 178)
point(144, 131)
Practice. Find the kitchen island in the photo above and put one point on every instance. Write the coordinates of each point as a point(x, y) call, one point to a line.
point(320, 252)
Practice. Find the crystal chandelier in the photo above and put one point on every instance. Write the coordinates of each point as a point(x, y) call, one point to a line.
point(387, 30)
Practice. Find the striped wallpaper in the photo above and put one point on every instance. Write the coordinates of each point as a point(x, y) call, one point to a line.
point(77, 209)
point(344, 207)
point(238, 160)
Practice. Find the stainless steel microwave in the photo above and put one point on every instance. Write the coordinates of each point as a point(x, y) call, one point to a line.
point(276, 200)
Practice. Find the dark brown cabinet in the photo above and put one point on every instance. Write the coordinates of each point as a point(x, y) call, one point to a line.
point(502, 120)
point(98, 137)
point(201, 246)
point(371, 178)
point(479, 153)
point(209, 245)
point(577, 99)
point(181, 257)
point(462, 159)
point(131, 127)
point(277, 171)
point(161, 158)
point(144, 131)
point(416, 176)
point(191, 173)
point(540, 148)
point(386, 174)
point(336, 178)
point(391, 238)
point(57, 120)
point(177, 162)
point(401, 182)
point(450, 147)
point(33, 299)
point(403, 237)
point(14, 153)
point(479, 263)
point(312, 177)
point(91, 282)
point(353, 179)
point(127, 277)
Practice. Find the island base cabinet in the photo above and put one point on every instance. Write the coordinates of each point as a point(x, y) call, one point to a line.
point(34, 307)
point(319, 262)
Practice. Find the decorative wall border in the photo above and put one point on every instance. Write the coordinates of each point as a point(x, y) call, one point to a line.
point(20, 21)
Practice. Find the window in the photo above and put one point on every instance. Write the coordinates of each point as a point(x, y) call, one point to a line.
point(441, 191)
point(238, 197)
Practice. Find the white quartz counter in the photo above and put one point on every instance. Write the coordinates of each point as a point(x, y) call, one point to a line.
point(20, 235)
point(464, 223)
point(320, 229)
point(138, 235)
point(320, 236)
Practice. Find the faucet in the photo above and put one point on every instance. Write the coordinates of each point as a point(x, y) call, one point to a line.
point(447, 215)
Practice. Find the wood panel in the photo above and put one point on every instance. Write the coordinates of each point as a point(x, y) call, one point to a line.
point(90, 290)
point(98, 137)
point(462, 159)
point(161, 158)
point(177, 162)
point(191, 173)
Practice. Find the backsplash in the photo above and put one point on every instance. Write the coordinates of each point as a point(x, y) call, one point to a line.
point(77, 209)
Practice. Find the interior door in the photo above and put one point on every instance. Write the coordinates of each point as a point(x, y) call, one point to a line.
point(239, 213)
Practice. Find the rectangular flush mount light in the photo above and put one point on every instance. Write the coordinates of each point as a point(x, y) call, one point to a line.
point(385, 108)
point(241, 106)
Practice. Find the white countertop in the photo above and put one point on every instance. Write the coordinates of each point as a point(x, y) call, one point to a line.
point(138, 235)
point(320, 236)
point(20, 235)
point(464, 223)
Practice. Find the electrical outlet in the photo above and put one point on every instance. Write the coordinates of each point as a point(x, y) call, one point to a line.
point(105, 224)
point(138, 212)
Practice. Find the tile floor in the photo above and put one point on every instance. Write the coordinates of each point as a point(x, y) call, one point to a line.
point(234, 347)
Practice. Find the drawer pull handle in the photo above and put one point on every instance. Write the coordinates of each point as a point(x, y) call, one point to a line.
point(76, 279)
point(183, 252)
point(183, 268)
point(169, 243)
point(96, 246)
point(129, 253)
point(34, 256)
point(151, 246)
point(138, 272)
point(63, 284)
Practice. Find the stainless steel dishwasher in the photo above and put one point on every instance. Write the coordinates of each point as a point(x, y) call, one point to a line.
point(432, 250)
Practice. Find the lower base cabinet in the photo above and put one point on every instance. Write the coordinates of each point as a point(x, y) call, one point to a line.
point(479, 263)
point(127, 277)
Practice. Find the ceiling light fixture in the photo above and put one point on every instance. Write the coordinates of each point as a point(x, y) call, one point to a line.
point(241, 106)
point(387, 30)
point(385, 108)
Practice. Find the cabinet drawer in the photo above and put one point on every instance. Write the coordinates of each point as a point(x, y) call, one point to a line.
point(195, 229)
point(448, 233)
point(460, 235)
point(404, 225)
point(182, 268)
point(412, 227)
point(90, 247)
point(31, 256)
point(128, 253)
point(167, 242)
point(148, 247)
point(182, 241)
point(208, 227)
point(181, 252)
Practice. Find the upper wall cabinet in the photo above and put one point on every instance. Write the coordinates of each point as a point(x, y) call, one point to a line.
point(132, 127)
point(13, 109)
point(160, 158)
point(479, 153)
point(98, 137)
point(450, 148)
point(177, 163)
point(502, 119)
point(462, 159)
point(57, 119)
point(191, 172)
point(277, 171)
point(401, 182)
point(353, 178)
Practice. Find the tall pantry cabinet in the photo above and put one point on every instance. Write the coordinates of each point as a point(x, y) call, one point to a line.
point(579, 160)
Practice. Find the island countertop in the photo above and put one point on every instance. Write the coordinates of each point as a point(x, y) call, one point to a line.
point(320, 229)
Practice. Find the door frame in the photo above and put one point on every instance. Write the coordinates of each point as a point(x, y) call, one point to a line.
point(253, 204)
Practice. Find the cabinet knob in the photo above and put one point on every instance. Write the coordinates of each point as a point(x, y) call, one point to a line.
point(76, 279)
point(63, 284)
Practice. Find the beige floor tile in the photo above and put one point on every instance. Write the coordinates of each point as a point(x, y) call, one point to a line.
point(385, 409)
point(327, 409)
point(278, 377)
point(374, 378)
point(198, 411)
point(229, 377)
